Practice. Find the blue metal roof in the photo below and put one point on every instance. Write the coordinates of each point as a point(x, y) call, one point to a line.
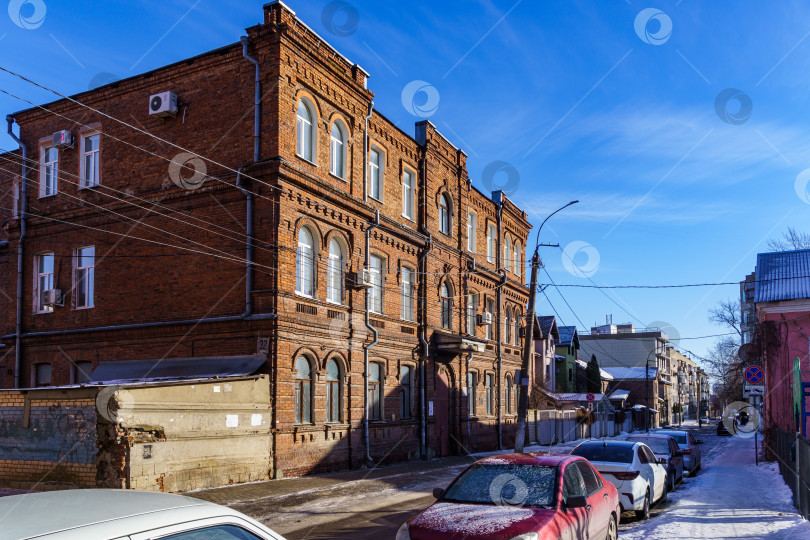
point(784, 275)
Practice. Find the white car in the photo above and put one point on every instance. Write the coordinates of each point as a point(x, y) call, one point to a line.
point(639, 477)
point(108, 514)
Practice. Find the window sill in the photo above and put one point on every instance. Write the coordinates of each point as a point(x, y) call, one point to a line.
point(302, 158)
point(54, 194)
point(91, 186)
point(373, 198)
point(42, 312)
point(333, 175)
point(307, 296)
point(409, 218)
point(77, 308)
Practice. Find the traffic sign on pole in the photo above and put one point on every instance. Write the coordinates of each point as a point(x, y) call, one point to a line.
point(753, 390)
point(589, 396)
point(754, 374)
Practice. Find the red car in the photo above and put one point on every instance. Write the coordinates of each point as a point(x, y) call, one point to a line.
point(521, 497)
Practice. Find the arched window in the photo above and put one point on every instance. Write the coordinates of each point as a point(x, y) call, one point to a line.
point(305, 263)
point(305, 133)
point(333, 391)
point(334, 272)
point(338, 151)
point(447, 305)
point(444, 214)
point(472, 384)
point(517, 327)
point(507, 254)
point(508, 394)
point(507, 326)
point(518, 259)
point(303, 391)
point(375, 380)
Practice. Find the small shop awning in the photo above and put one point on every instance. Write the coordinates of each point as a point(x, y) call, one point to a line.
point(457, 343)
point(177, 368)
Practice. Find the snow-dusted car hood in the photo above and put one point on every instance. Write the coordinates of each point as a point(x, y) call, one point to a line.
point(472, 521)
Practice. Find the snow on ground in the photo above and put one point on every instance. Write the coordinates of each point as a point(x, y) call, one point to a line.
point(730, 498)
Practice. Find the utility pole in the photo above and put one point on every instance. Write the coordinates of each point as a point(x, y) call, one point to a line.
point(647, 388)
point(523, 385)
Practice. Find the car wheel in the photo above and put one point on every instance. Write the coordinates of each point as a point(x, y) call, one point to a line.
point(644, 513)
point(613, 532)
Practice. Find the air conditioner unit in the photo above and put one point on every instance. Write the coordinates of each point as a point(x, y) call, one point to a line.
point(163, 104)
point(63, 139)
point(53, 297)
point(485, 319)
point(364, 279)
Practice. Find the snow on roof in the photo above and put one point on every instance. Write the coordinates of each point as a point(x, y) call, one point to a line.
point(602, 373)
point(577, 397)
point(782, 276)
point(620, 394)
point(631, 372)
point(640, 407)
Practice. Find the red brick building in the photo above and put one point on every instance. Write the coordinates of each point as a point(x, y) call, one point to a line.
point(362, 253)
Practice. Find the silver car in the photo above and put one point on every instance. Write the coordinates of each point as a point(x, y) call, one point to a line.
point(689, 446)
point(108, 514)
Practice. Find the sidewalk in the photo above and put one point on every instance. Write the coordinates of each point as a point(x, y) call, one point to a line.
point(730, 498)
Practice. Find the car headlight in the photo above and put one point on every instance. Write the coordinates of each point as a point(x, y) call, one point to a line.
point(403, 534)
point(526, 536)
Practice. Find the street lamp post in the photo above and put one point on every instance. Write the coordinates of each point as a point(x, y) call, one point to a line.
point(647, 389)
point(523, 389)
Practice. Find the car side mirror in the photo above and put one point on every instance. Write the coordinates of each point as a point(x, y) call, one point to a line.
point(576, 501)
point(438, 492)
point(662, 461)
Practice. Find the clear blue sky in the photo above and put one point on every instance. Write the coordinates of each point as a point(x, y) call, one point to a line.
point(581, 98)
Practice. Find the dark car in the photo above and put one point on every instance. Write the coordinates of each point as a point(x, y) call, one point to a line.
point(537, 496)
point(722, 430)
point(664, 446)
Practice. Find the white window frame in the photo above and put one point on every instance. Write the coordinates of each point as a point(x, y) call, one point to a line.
point(518, 266)
point(376, 265)
point(507, 326)
point(80, 274)
point(38, 281)
point(492, 234)
point(305, 130)
point(445, 215)
point(472, 312)
point(86, 182)
point(407, 311)
point(301, 265)
point(46, 167)
point(490, 308)
point(507, 254)
point(337, 151)
point(408, 194)
point(472, 231)
point(375, 174)
point(335, 277)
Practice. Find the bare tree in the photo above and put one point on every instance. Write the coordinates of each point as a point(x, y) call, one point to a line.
point(727, 313)
point(723, 365)
point(791, 240)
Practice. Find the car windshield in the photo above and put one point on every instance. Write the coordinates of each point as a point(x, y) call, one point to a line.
point(659, 446)
point(605, 452)
point(505, 484)
point(680, 439)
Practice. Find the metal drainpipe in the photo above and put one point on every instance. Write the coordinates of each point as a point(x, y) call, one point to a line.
point(240, 182)
point(366, 347)
point(423, 310)
point(365, 151)
point(20, 253)
point(499, 296)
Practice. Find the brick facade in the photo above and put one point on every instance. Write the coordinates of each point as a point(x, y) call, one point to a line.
point(144, 277)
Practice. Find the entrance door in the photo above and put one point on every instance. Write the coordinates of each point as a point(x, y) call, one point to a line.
point(441, 408)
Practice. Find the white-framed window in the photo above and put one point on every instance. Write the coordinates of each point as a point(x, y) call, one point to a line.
point(491, 237)
point(489, 388)
point(48, 171)
point(303, 390)
point(43, 281)
point(447, 305)
point(334, 391)
point(375, 383)
point(472, 230)
point(507, 254)
point(375, 175)
point(507, 326)
point(508, 394)
point(472, 312)
point(517, 317)
point(335, 272)
point(84, 277)
point(90, 148)
point(407, 294)
point(408, 190)
point(305, 131)
point(337, 165)
point(491, 310)
point(305, 263)
point(472, 384)
point(375, 293)
point(518, 259)
point(444, 214)
point(406, 392)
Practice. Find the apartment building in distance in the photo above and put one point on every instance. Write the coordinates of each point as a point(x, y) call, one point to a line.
point(285, 216)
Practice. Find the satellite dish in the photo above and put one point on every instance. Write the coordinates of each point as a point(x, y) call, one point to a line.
point(746, 353)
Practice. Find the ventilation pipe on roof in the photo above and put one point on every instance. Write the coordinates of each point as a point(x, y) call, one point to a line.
point(240, 183)
point(20, 252)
